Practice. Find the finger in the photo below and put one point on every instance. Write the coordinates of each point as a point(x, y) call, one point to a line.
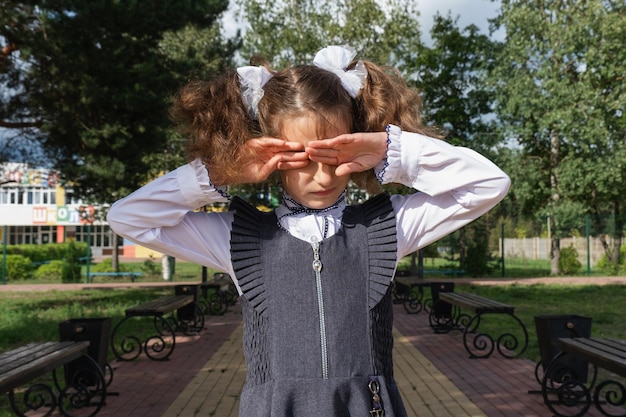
point(329, 153)
point(329, 160)
point(285, 165)
point(293, 156)
point(276, 144)
point(349, 168)
point(331, 143)
point(292, 146)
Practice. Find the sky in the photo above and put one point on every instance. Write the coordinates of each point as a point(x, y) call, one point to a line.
point(475, 12)
point(469, 12)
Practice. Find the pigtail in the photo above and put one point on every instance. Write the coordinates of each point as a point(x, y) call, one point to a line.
point(211, 114)
point(387, 99)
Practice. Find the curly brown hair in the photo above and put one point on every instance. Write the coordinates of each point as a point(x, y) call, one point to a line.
point(213, 116)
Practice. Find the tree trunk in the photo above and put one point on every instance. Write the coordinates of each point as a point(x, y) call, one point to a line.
point(555, 250)
point(555, 243)
point(115, 260)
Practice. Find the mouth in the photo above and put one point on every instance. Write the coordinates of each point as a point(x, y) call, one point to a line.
point(324, 193)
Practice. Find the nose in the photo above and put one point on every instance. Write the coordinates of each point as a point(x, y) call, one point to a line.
point(324, 174)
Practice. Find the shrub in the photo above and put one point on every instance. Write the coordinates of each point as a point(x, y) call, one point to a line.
point(40, 253)
point(51, 271)
point(608, 267)
point(19, 267)
point(568, 261)
point(70, 271)
point(150, 267)
point(106, 265)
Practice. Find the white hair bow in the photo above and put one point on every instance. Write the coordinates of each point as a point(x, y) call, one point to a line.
point(252, 80)
point(335, 59)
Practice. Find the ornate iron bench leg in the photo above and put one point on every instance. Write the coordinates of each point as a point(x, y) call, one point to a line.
point(482, 344)
point(157, 347)
point(413, 301)
point(84, 394)
point(563, 393)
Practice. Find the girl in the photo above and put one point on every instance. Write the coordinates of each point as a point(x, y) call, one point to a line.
point(314, 275)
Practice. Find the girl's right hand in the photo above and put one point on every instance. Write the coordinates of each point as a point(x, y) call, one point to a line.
point(262, 156)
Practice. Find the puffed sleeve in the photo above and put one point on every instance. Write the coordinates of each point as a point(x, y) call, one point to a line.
point(163, 216)
point(454, 186)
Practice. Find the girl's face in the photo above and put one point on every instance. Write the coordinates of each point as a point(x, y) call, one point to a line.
point(315, 186)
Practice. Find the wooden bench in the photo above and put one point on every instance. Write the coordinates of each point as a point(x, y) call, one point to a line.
point(170, 314)
point(566, 394)
point(478, 344)
point(133, 275)
point(86, 390)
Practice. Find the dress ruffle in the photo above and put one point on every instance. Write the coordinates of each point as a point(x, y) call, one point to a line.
point(381, 234)
point(246, 254)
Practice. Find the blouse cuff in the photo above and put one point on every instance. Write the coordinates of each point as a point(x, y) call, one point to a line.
point(214, 193)
point(387, 169)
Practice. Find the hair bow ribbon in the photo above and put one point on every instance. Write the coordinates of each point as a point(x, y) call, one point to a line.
point(252, 80)
point(335, 59)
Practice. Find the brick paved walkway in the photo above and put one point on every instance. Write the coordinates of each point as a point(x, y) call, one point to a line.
point(436, 377)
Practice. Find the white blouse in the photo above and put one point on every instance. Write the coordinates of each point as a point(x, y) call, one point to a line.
point(456, 185)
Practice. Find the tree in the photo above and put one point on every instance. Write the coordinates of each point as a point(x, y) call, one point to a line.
point(560, 93)
point(290, 32)
point(451, 77)
point(93, 78)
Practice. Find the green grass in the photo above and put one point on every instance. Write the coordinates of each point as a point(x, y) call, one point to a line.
point(35, 316)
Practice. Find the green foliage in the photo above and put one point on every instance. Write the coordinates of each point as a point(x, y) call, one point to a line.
point(18, 267)
point(97, 82)
point(71, 270)
point(51, 271)
point(612, 268)
point(290, 33)
point(478, 261)
point(106, 265)
point(560, 94)
point(40, 253)
point(151, 267)
point(568, 261)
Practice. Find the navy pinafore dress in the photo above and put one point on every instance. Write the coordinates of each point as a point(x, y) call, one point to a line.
point(314, 341)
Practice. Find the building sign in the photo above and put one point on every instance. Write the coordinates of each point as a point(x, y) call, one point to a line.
point(24, 175)
point(53, 215)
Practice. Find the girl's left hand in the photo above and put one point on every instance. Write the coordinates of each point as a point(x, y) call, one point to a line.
point(353, 152)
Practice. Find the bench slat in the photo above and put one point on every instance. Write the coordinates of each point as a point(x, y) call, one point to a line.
point(43, 358)
point(14, 358)
point(160, 306)
point(605, 353)
point(475, 303)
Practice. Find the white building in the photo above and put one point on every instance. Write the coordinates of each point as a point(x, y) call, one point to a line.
point(36, 208)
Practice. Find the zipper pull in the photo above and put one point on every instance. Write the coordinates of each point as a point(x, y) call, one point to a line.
point(317, 263)
point(377, 408)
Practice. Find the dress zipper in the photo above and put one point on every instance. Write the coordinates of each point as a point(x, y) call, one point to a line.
point(317, 267)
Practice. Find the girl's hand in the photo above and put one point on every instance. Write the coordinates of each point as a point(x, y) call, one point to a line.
point(262, 156)
point(353, 152)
